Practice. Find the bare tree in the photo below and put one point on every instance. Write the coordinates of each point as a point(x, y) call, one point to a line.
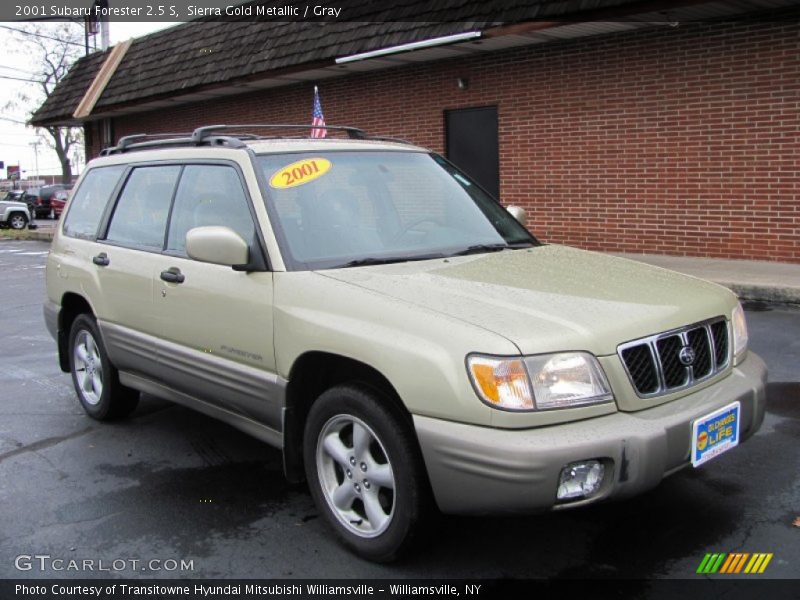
point(52, 48)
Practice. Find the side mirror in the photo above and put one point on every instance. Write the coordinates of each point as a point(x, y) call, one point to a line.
point(217, 245)
point(518, 213)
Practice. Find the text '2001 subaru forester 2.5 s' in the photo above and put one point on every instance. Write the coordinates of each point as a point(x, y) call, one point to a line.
point(364, 306)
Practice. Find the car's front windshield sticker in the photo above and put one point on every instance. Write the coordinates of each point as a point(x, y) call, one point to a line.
point(300, 172)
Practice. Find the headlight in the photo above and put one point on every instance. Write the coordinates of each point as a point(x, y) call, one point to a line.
point(568, 379)
point(501, 382)
point(541, 382)
point(739, 326)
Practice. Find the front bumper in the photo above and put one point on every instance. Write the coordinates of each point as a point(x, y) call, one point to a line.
point(479, 470)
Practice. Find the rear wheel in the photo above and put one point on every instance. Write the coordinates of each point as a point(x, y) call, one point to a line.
point(95, 379)
point(17, 221)
point(366, 473)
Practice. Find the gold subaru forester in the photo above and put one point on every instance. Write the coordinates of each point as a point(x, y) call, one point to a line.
point(367, 308)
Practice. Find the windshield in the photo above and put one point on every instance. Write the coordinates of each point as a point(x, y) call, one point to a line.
point(347, 208)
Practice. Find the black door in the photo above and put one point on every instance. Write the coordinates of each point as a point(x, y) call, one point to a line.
point(472, 144)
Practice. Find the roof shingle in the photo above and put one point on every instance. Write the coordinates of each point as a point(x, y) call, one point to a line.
point(204, 53)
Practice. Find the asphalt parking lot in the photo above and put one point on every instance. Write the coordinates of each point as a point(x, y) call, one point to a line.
point(170, 484)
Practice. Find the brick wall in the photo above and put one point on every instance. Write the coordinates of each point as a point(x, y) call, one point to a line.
point(674, 141)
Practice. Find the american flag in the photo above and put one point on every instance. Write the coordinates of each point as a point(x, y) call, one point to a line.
point(317, 120)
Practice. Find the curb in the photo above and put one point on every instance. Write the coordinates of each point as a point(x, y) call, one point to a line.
point(40, 236)
point(763, 293)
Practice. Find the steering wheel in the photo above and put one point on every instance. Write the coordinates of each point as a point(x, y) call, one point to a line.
point(410, 226)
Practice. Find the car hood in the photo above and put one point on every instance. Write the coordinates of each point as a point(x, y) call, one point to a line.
point(13, 204)
point(551, 297)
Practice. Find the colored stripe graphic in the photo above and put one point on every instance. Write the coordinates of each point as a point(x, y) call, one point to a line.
point(711, 563)
point(717, 564)
point(734, 562)
point(728, 564)
point(765, 563)
point(741, 562)
point(758, 563)
point(703, 564)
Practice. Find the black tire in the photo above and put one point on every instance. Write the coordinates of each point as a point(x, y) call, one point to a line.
point(411, 513)
point(17, 221)
point(106, 398)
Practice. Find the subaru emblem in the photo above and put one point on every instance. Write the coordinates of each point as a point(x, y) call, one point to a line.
point(686, 356)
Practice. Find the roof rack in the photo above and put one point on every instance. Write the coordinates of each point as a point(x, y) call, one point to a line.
point(202, 133)
point(386, 138)
point(209, 135)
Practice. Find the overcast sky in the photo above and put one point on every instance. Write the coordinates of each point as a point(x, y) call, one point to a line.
point(15, 138)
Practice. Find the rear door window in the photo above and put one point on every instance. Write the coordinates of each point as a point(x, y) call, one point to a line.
point(87, 205)
point(140, 217)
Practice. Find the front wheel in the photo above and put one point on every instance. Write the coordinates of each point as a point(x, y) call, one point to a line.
point(365, 472)
point(17, 221)
point(95, 379)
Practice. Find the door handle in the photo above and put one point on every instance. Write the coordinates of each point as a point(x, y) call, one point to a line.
point(173, 275)
point(101, 260)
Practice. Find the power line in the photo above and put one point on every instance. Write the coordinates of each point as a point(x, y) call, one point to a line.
point(4, 118)
point(16, 69)
point(20, 79)
point(15, 145)
point(5, 133)
point(41, 35)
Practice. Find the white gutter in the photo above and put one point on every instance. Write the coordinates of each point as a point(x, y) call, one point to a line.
point(439, 41)
point(104, 74)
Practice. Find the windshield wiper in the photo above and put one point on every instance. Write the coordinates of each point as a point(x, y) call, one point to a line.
point(371, 260)
point(481, 248)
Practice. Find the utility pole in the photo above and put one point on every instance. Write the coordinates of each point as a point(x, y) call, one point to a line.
point(36, 156)
point(76, 159)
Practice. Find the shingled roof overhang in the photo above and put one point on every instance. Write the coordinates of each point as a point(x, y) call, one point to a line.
point(203, 60)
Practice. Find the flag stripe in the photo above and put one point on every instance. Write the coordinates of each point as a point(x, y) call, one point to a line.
point(317, 119)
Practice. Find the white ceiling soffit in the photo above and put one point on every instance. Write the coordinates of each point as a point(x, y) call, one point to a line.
point(387, 58)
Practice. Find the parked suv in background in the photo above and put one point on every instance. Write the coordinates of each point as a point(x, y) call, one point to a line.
point(367, 308)
point(14, 195)
point(41, 197)
point(13, 214)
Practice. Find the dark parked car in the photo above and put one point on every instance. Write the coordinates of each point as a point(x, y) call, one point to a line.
point(41, 197)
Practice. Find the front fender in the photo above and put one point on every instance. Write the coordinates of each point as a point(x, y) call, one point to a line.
point(420, 352)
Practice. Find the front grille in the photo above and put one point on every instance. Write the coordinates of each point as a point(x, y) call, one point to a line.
point(641, 368)
point(675, 374)
point(720, 332)
point(674, 360)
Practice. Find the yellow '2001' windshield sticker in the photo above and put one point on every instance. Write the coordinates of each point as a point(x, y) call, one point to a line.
point(300, 172)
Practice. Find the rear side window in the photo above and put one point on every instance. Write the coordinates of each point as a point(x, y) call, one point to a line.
point(89, 201)
point(140, 217)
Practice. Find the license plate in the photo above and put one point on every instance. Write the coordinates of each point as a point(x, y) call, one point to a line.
point(715, 433)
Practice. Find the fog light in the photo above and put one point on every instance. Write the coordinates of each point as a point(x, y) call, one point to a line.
point(580, 479)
